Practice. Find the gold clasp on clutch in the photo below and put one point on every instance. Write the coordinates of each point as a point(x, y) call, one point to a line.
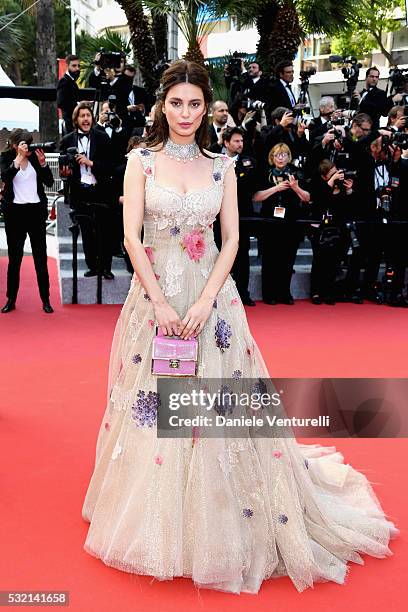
point(174, 363)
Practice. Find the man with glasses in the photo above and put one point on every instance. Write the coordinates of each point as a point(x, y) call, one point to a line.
point(281, 93)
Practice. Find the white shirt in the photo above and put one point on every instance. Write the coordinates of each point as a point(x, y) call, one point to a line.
point(25, 186)
point(84, 145)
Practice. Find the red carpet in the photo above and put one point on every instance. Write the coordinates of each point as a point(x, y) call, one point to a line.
point(53, 386)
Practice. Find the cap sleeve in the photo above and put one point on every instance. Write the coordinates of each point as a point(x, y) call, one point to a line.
point(146, 158)
point(221, 165)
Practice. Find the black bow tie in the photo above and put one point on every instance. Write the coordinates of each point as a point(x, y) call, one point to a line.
point(81, 135)
point(218, 129)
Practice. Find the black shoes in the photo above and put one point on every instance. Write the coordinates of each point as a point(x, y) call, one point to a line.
point(107, 274)
point(248, 301)
point(271, 302)
point(288, 300)
point(9, 306)
point(47, 307)
point(316, 299)
point(89, 273)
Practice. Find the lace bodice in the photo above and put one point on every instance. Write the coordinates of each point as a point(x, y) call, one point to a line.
point(167, 207)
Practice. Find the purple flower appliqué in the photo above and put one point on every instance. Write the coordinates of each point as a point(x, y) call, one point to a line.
point(146, 297)
point(145, 408)
point(217, 176)
point(306, 464)
point(136, 358)
point(226, 402)
point(236, 374)
point(215, 305)
point(144, 152)
point(259, 387)
point(174, 230)
point(222, 334)
point(247, 512)
point(283, 519)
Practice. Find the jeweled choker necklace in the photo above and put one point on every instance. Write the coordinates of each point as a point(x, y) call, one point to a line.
point(182, 153)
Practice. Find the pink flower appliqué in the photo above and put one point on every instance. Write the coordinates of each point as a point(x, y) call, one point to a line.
point(277, 454)
point(194, 244)
point(234, 301)
point(151, 322)
point(107, 426)
point(150, 254)
point(158, 459)
point(148, 171)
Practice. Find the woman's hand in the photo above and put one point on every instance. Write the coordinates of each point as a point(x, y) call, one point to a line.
point(196, 317)
point(167, 319)
point(293, 182)
point(41, 157)
point(337, 176)
point(282, 186)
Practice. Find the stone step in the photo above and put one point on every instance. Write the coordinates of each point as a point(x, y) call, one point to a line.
point(113, 291)
point(65, 261)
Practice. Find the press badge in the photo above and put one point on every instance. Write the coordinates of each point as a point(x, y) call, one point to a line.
point(279, 212)
point(395, 182)
point(87, 179)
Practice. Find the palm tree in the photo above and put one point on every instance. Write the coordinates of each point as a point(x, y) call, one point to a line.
point(10, 37)
point(195, 19)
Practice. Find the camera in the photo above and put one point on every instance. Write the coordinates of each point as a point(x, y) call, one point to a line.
point(113, 119)
point(384, 197)
point(398, 78)
point(306, 74)
point(348, 175)
point(400, 139)
point(234, 66)
point(160, 67)
point(68, 159)
point(47, 147)
point(110, 59)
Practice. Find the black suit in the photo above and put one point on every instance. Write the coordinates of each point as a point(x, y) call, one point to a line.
point(279, 96)
point(140, 96)
point(245, 171)
point(67, 98)
point(121, 88)
point(94, 220)
point(213, 133)
point(375, 104)
point(23, 219)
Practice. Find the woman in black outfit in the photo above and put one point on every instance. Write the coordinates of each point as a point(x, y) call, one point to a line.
point(333, 200)
point(24, 206)
point(282, 198)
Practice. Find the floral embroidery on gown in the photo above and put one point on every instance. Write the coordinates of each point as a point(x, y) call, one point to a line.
point(228, 513)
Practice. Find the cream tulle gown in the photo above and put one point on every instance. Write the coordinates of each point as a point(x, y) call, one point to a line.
point(229, 513)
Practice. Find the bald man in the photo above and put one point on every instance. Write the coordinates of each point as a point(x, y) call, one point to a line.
point(221, 120)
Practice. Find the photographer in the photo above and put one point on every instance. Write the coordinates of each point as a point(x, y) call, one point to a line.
point(328, 116)
point(283, 130)
point(372, 100)
point(282, 196)
point(108, 78)
point(332, 195)
point(68, 91)
point(25, 210)
point(109, 123)
point(139, 102)
point(397, 120)
point(281, 93)
point(220, 119)
point(380, 193)
point(88, 175)
point(245, 168)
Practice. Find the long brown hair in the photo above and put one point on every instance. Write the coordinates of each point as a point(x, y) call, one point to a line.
point(181, 71)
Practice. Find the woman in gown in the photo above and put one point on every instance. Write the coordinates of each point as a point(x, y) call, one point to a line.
point(229, 513)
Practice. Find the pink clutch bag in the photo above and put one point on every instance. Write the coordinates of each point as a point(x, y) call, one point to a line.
point(172, 356)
